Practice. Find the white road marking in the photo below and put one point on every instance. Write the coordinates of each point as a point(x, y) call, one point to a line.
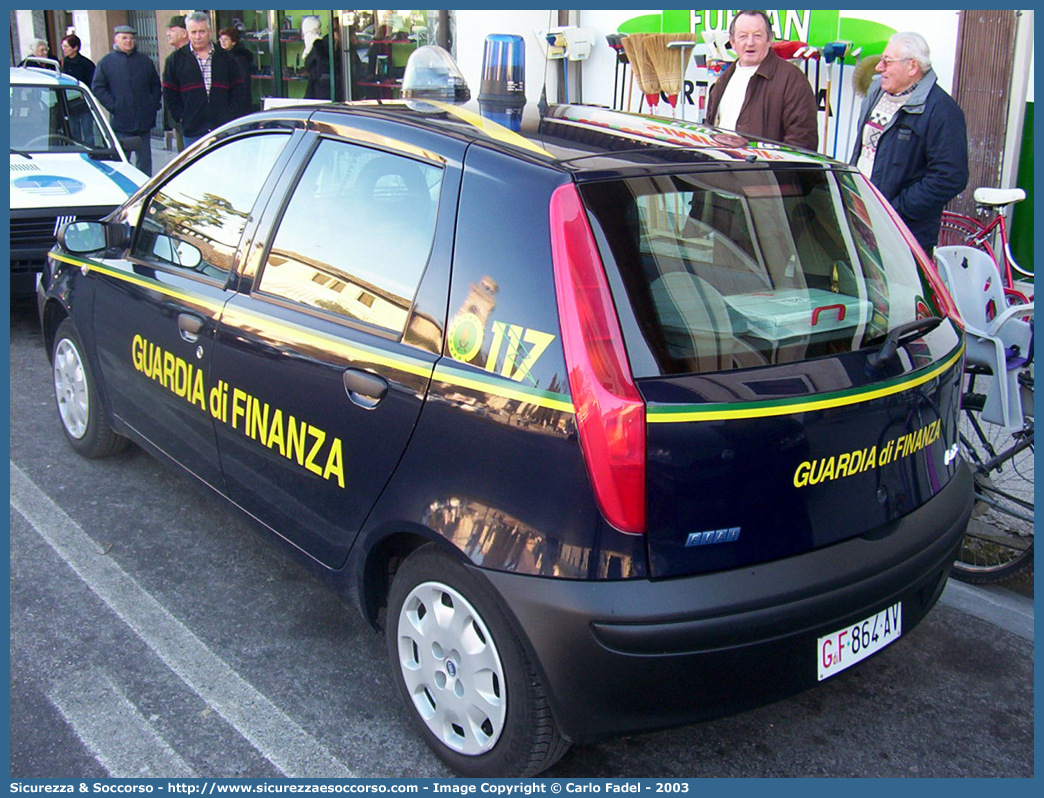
point(114, 731)
point(278, 738)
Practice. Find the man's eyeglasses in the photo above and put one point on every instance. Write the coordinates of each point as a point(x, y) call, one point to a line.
point(886, 62)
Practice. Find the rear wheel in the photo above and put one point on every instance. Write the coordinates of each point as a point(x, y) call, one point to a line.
point(999, 542)
point(957, 230)
point(81, 414)
point(464, 674)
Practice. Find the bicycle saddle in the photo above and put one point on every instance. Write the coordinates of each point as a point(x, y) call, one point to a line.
point(998, 197)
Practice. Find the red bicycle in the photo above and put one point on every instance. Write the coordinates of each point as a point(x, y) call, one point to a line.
point(990, 235)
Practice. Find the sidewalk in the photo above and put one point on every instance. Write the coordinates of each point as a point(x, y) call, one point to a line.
point(160, 156)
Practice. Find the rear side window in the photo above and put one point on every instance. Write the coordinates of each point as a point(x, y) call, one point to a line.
point(356, 235)
point(746, 268)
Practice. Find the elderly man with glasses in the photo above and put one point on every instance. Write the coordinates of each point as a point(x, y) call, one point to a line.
point(912, 142)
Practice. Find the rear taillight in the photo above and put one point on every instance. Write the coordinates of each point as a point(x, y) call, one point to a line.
point(610, 414)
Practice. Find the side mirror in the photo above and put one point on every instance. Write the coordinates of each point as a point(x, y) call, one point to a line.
point(80, 238)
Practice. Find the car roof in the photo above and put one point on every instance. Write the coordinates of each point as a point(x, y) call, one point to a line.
point(41, 76)
point(584, 139)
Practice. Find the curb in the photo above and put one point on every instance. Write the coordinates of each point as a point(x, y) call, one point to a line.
point(999, 606)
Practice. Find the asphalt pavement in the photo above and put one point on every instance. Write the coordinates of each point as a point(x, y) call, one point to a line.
point(154, 632)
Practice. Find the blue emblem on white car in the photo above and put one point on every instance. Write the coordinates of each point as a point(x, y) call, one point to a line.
point(49, 185)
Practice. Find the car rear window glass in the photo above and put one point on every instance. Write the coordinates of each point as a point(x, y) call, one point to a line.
point(356, 234)
point(194, 221)
point(745, 268)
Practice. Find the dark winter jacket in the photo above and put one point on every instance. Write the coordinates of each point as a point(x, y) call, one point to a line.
point(317, 64)
point(779, 104)
point(186, 95)
point(922, 156)
point(245, 60)
point(79, 67)
point(128, 85)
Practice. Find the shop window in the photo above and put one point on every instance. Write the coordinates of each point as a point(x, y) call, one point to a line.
point(356, 235)
point(194, 221)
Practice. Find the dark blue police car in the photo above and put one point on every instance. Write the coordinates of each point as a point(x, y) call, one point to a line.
point(613, 423)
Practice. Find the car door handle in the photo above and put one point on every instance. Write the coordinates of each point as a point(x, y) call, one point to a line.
point(364, 389)
point(190, 327)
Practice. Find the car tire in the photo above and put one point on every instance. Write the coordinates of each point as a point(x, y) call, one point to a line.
point(79, 410)
point(464, 674)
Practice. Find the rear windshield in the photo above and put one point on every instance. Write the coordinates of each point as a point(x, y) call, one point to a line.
point(747, 268)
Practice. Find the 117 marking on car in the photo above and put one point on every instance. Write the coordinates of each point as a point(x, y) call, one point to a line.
point(846, 647)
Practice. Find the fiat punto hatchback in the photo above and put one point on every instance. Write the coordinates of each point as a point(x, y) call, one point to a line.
point(66, 164)
point(612, 423)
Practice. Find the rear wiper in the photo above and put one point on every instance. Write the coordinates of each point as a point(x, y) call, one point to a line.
point(901, 336)
point(22, 153)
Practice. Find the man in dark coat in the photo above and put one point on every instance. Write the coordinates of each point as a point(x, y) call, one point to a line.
point(202, 84)
point(127, 84)
point(177, 37)
point(912, 141)
point(762, 95)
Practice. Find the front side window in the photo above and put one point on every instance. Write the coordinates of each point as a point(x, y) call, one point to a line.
point(356, 235)
point(52, 119)
point(195, 220)
point(746, 268)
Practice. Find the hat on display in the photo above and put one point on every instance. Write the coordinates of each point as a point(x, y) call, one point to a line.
point(176, 21)
point(125, 29)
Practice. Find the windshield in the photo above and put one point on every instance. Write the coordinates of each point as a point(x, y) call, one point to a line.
point(748, 268)
point(55, 119)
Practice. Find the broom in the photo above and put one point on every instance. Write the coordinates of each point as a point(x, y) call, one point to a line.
point(642, 68)
point(862, 75)
point(668, 65)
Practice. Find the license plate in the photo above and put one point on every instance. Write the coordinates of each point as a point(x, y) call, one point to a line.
point(845, 647)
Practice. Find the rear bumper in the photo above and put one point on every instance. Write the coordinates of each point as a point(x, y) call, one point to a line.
point(628, 656)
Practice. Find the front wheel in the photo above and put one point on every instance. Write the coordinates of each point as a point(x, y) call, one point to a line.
point(465, 676)
point(80, 411)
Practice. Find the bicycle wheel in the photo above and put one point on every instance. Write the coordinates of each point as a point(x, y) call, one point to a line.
point(959, 230)
point(999, 541)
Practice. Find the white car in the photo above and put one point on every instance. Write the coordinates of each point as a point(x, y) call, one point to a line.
point(66, 164)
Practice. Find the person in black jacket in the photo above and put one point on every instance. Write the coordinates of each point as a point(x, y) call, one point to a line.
point(912, 141)
point(79, 66)
point(228, 38)
point(202, 85)
point(75, 64)
point(127, 84)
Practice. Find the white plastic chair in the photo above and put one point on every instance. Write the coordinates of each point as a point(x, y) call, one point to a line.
point(998, 336)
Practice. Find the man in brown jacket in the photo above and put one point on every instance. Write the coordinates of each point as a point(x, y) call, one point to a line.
point(762, 95)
